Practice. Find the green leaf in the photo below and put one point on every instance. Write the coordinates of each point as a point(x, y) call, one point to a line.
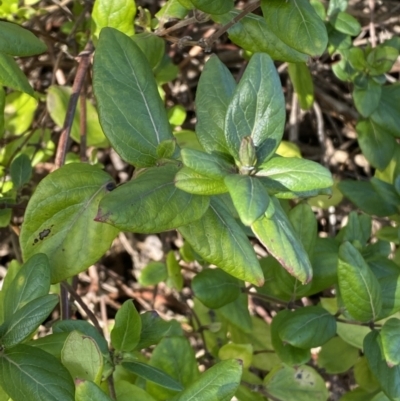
point(57, 101)
point(237, 313)
point(219, 383)
point(297, 24)
point(300, 176)
point(17, 41)
point(232, 251)
point(151, 203)
point(386, 191)
point(390, 295)
point(278, 236)
point(215, 288)
point(359, 288)
point(81, 356)
point(387, 114)
point(32, 281)
point(253, 34)
point(2, 107)
point(249, 197)
point(376, 144)
point(12, 76)
point(363, 375)
point(125, 389)
point(174, 356)
point(28, 373)
point(171, 9)
point(308, 327)
point(26, 320)
point(175, 277)
point(213, 6)
point(286, 352)
point(360, 394)
point(89, 391)
point(59, 220)
point(390, 336)
point(243, 352)
point(388, 377)
point(153, 273)
point(300, 383)
point(328, 356)
point(256, 109)
point(352, 334)
point(166, 149)
point(215, 89)
point(209, 165)
point(129, 87)
point(345, 23)
point(194, 183)
point(125, 334)
point(381, 59)
point(84, 327)
point(52, 343)
point(366, 99)
point(303, 85)
point(152, 46)
point(152, 374)
point(20, 171)
point(117, 14)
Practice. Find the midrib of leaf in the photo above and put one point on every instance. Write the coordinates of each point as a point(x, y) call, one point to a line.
point(304, 20)
point(369, 294)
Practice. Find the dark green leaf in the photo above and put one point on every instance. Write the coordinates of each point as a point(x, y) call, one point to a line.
point(278, 236)
point(26, 320)
point(345, 23)
point(218, 383)
point(28, 373)
point(153, 273)
point(20, 170)
point(12, 76)
point(17, 41)
point(302, 83)
point(256, 109)
point(359, 288)
point(215, 89)
point(59, 220)
point(215, 288)
point(237, 313)
point(287, 353)
point(152, 46)
point(367, 99)
point(152, 374)
point(130, 87)
point(297, 24)
point(151, 203)
point(390, 340)
point(390, 295)
point(386, 191)
point(89, 391)
point(249, 197)
point(175, 277)
point(381, 59)
point(213, 6)
point(52, 344)
point(219, 239)
point(32, 281)
point(125, 334)
point(308, 327)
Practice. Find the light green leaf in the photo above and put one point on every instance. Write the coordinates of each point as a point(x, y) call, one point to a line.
point(172, 9)
point(123, 94)
point(301, 176)
point(118, 14)
point(232, 251)
point(249, 197)
point(381, 59)
point(286, 352)
point(237, 313)
point(152, 46)
point(175, 277)
point(151, 203)
point(218, 383)
point(89, 391)
point(302, 83)
point(19, 113)
point(125, 389)
point(59, 220)
point(26, 320)
point(28, 373)
point(297, 24)
point(174, 356)
point(153, 273)
point(390, 295)
point(363, 375)
point(215, 89)
point(376, 144)
point(390, 340)
point(52, 344)
point(300, 383)
point(367, 99)
point(328, 356)
point(345, 23)
point(2, 106)
point(20, 170)
point(125, 334)
point(32, 281)
point(57, 100)
point(352, 334)
point(359, 288)
point(213, 6)
point(12, 76)
point(244, 352)
point(152, 374)
point(215, 288)
point(253, 34)
point(278, 236)
point(17, 41)
point(194, 183)
point(308, 327)
point(82, 357)
point(256, 109)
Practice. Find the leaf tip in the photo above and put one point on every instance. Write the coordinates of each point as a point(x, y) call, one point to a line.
point(101, 217)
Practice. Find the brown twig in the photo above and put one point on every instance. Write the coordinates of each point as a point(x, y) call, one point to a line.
point(372, 31)
point(83, 124)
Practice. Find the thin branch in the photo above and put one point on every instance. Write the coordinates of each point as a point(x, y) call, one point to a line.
point(372, 31)
point(83, 124)
point(182, 24)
